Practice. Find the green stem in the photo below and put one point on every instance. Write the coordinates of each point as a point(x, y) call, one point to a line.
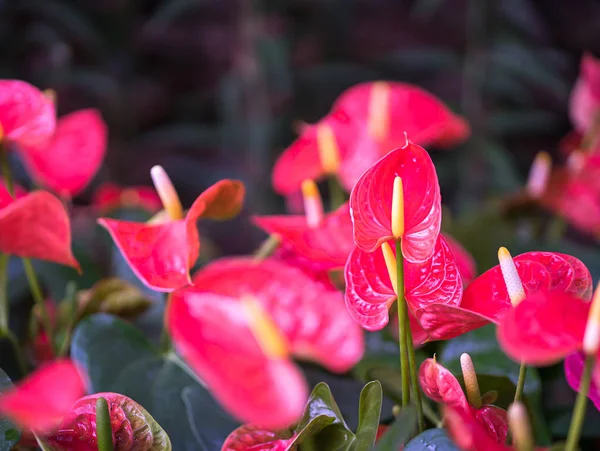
point(414, 379)
point(556, 230)
point(430, 414)
point(267, 247)
point(402, 321)
point(12, 339)
point(521, 382)
point(103, 426)
point(4, 305)
point(337, 196)
point(6, 174)
point(164, 344)
point(580, 405)
point(71, 299)
point(38, 297)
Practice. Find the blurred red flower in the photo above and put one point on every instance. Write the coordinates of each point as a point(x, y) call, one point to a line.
point(585, 97)
point(110, 196)
point(40, 401)
point(249, 371)
point(35, 225)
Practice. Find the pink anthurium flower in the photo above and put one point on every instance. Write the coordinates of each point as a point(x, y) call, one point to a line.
point(372, 198)
point(465, 261)
point(133, 428)
point(574, 371)
point(40, 401)
point(110, 196)
point(585, 97)
point(250, 437)
point(162, 251)
point(487, 299)
point(441, 386)
point(69, 161)
point(276, 311)
point(365, 123)
point(27, 115)
point(370, 289)
point(35, 225)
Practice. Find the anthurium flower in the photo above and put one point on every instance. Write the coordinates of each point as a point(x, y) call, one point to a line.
point(372, 198)
point(323, 240)
point(365, 123)
point(585, 98)
point(465, 261)
point(250, 437)
point(487, 298)
point(574, 371)
point(161, 252)
point(40, 401)
point(110, 196)
point(441, 386)
point(69, 161)
point(27, 116)
point(370, 289)
point(133, 428)
point(239, 324)
point(35, 225)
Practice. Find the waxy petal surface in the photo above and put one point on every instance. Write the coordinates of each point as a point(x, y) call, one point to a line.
point(440, 385)
point(544, 327)
point(369, 291)
point(469, 434)
point(443, 321)
point(27, 116)
point(40, 401)
point(574, 371)
point(253, 438)
point(70, 160)
point(212, 334)
point(220, 201)
point(327, 245)
point(36, 226)
point(371, 203)
point(309, 314)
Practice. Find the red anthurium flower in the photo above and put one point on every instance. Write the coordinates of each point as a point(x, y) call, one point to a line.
point(161, 252)
point(253, 438)
point(370, 291)
point(110, 196)
point(40, 401)
point(365, 123)
point(132, 426)
point(465, 262)
point(441, 386)
point(323, 240)
point(372, 198)
point(27, 116)
point(69, 161)
point(276, 311)
point(585, 97)
point(573, 372)
point(35, 225)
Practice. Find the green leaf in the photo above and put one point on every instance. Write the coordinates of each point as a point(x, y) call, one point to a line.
point(433, 439)
point(118, 358)
point(369, 412)
point(9, 434)
point(400, 431)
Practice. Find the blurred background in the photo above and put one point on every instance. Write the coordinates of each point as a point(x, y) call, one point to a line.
point(214, 88)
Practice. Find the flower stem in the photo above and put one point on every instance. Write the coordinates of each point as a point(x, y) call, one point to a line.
point(414, 380)
point(580, 405)
point(103, 426)
point(38, 297)
point(521, 382)
point(336, 194)
point(16, 349)
point(402, 321)
point(71, 299)
point(6, 174)
point(267, 248)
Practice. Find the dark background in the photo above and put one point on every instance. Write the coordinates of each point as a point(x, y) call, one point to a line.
point(211, 88)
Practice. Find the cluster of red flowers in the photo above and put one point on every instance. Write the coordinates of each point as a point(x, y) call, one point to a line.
point(239, 321)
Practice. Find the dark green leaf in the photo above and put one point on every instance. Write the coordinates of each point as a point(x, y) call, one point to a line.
point(9, 434)
point(432, 440)
point(369, 412)
point(400, 431)
point(118, 358)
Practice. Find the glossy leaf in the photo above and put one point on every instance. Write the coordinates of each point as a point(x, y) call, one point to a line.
point(27, 116)
point(184, 409)
point(161, 254)
point(37, 226)
point(369, 292)
point(544, 327)
point(326, 246)
point(70, 160)
point(400, 431)
point(40, 401)
point(9, 433)
point(295, 303)
point(371, 203)
point(255, 388)
point(133, 428)
point(369, 414)
point(432, 439)
point(574, 370)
